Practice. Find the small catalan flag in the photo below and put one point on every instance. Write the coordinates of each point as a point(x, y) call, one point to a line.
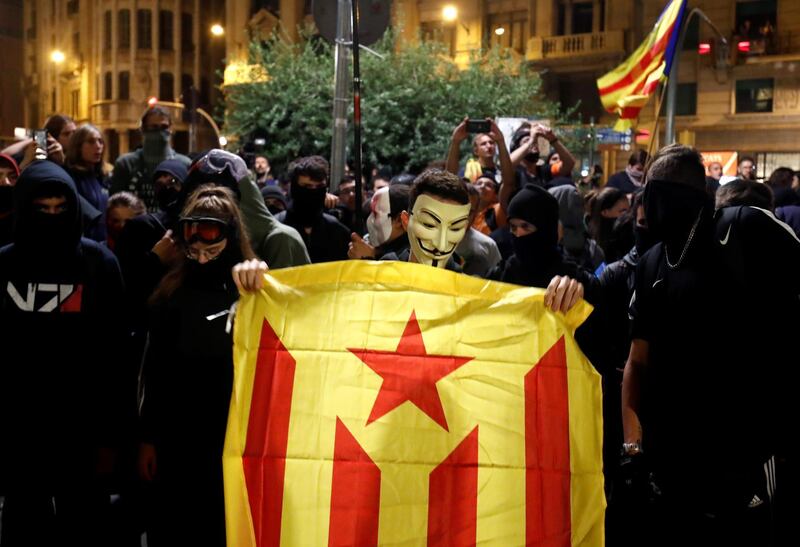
point(627, 88)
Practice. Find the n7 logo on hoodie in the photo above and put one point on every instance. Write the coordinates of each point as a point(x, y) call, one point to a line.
point(48, 297)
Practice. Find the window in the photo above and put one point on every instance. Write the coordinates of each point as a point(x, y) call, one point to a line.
point(754, 95)
point(124, 29)
point(692, 38)
point(107, 31)
point(124, 88)
point(187, 42)
point(576, 17)
point(514, 27)
point(144, 29)
point(755, 22)
point(165, 30)
point(186, 84)
point(76, 44)
point(107, 85)
point(73, 7)
point(166, 87)
point(686, 99)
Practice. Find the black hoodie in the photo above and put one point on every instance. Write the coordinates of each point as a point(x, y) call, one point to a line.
point(60, 389)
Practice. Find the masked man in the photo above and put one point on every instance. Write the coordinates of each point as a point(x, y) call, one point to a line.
point(709, 387)
point(62, 394)
point(133, 172)
point(387, 234)
point(325, 237)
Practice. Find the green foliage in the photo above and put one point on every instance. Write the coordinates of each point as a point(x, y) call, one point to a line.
point(412, 99)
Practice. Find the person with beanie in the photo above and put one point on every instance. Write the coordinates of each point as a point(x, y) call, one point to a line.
point(533, 220)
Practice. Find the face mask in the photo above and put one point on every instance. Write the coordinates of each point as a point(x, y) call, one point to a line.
point(51, 233)
point(6, 199)
point(635, 175)
point(155, 143)
point(308, 203)
point(167, 198)
point(535, 249)
point(379, 223)
point(671, 209)
point(435, 229)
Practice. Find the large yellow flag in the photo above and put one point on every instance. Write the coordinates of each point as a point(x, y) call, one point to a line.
point(388, 403)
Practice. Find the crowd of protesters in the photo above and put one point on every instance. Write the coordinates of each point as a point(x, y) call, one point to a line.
point(119, 282)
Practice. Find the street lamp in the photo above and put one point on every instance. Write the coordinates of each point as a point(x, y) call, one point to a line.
point(449, 13)
point(500, 31)
point(217, 29)
point(57, 56)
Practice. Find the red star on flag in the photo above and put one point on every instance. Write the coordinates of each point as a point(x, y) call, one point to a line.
point(409, 374)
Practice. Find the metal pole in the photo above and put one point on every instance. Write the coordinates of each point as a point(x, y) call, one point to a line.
point(359, 221)
point(340, 100)
point(672, 81)
point(591, 142)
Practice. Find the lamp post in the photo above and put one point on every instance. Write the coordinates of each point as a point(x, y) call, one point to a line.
point(57, 57)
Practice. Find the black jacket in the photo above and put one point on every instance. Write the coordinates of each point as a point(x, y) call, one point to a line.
point(329, 238)
point(61, 387)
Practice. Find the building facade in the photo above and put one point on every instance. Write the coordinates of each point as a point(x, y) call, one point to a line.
point(11, 39)
point(746, 101)
point(100, 61)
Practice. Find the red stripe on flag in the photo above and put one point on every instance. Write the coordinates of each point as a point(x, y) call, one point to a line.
point(547, 480)
point(264, 458)
point(355, 494)
point(658, 48)
point(453, 497)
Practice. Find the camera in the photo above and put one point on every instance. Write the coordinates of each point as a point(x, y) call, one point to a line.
point(478, 126)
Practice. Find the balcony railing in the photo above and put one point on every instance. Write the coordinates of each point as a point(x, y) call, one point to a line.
point(575, 45)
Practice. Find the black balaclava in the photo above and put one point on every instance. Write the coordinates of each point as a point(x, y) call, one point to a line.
point(672, 209)
point(169, 198)
point(307, 203)
point(43, 234)
point(216, 273)
point(535, 205)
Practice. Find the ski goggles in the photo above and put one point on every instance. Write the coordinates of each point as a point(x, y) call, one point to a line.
point(203, 229)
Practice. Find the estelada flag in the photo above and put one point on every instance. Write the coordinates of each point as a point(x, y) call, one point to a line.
point(627, 88)
point(388, 403)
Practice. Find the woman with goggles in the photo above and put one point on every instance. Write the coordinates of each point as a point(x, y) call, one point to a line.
point(188, 372)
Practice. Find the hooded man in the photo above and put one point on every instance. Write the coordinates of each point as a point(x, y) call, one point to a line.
point(692, 394)
point(326, 238)
point(533, 220)
point(61, 391)
point(576, 245)
point(134, 172)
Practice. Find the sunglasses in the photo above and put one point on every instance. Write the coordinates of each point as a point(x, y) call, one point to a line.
point(203, 229)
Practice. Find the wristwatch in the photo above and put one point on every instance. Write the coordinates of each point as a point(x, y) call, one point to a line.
point(632, 449)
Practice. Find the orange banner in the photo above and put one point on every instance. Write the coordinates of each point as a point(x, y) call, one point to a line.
point(729, 161)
